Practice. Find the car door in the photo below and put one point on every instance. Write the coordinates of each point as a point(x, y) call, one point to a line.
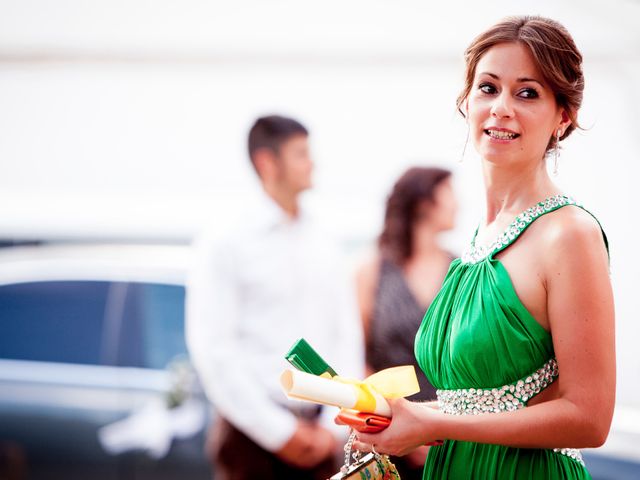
point(159, 386)
point(56, 387)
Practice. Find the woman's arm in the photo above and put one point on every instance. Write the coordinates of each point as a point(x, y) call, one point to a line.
point(579, 405)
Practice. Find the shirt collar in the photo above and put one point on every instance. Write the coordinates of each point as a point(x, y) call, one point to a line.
point(270, 215)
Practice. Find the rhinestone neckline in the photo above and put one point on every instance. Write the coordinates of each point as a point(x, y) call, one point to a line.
point(477, 253)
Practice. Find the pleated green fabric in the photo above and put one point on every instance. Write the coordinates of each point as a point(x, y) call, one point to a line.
point(477, 334)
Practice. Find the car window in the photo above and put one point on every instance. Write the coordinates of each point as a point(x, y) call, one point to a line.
point(53, 321)
point(152, 325)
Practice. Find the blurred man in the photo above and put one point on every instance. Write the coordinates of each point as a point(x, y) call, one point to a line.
point(253, 291)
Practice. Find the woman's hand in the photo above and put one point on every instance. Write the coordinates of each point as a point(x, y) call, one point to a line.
point(413, 425)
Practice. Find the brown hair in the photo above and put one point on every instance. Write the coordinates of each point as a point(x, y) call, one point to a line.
point(414, 187)
point(554, 53)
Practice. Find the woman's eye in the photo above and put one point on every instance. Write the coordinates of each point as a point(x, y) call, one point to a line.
point(487, 88)
point(528, 93)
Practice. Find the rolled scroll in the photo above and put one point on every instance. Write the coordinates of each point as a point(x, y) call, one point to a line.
point(364, 396)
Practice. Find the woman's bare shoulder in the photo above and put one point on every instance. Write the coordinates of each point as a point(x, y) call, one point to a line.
point(571, 233)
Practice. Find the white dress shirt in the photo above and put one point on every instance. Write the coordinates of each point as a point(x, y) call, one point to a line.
point(253, 291)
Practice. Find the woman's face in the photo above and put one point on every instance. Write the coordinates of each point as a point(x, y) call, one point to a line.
point(512, 113)
point(439, 214)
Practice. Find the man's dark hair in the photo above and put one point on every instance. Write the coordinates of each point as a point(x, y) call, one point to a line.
point(271, 132)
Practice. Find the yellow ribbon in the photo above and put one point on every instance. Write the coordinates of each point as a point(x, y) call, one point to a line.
point(395, 382)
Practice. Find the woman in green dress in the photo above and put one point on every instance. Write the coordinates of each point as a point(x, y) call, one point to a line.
point(525, 317)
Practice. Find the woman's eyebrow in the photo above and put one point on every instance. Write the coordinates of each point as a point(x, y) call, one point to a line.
point(519, 80)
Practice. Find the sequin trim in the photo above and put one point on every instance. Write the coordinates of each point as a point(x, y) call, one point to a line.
point(476, 253)
point(570, 452)
point(473, 401)
point(508, 398)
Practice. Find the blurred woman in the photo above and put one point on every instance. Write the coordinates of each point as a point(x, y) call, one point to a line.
point(396, 285)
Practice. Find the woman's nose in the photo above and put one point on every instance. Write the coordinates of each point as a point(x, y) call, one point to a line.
point(502, 106)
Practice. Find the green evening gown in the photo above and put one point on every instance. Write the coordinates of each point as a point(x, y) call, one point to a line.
point(484, 352)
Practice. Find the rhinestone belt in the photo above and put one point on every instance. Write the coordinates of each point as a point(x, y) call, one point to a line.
point(508, 398)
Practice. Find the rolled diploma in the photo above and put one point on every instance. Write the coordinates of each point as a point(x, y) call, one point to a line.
point(305, 386)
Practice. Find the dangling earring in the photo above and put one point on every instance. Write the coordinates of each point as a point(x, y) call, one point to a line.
point(464, 149)
point(556, 153)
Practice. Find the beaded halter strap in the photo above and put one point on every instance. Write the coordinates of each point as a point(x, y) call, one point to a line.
point(477, 253)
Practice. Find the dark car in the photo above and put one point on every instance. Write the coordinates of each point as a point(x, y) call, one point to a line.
point(95, 381)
